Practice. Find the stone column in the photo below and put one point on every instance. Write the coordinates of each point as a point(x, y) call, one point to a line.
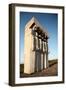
point(46, 55)
point(47, 64)
point(43, 55)
point(37, 62)
point(41, 61)
point(36, 40)
point(41, 46)
point(40, 43)
point(39, 54)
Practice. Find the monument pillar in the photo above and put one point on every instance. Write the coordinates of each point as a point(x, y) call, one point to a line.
point(36, 40)
point(46, 54)
point(37, 54)
point(40, 43)
point(41, 46)
point(41, 61)
point(35, 49)
point(43, 55)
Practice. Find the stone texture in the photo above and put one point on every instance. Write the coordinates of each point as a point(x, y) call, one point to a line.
point(35, 47)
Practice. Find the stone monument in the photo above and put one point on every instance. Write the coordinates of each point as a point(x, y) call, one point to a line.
point(35, 47)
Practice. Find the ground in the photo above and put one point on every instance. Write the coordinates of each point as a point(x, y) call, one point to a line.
point(50, 71)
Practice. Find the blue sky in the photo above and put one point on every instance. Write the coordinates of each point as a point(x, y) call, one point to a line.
point(47, 20)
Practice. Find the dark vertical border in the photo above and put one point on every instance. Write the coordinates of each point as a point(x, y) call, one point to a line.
point(12, 43)
point(63, 56)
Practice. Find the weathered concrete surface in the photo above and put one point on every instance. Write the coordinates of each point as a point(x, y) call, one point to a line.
point(35, 56)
